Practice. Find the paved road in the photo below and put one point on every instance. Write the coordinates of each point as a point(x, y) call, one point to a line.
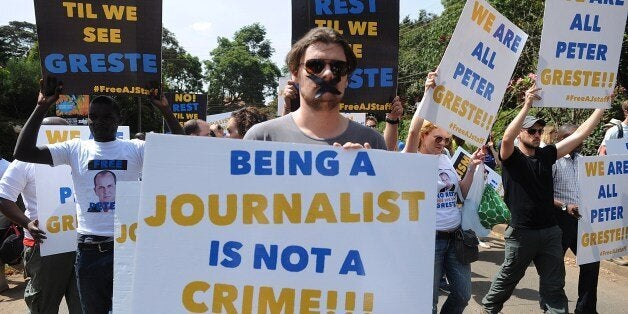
point(612, 289)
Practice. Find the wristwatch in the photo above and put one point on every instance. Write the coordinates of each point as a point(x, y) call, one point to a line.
point(564, 207)
point(391, 121)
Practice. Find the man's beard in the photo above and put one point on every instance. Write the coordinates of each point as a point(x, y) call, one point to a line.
point(529, 145)
point(324, 87)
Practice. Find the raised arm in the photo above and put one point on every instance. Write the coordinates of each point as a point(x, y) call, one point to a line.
point(391, 130)
point(26, 148)
point(513, 129)
point(164, 107)
point(567, 145)
point(414, 132)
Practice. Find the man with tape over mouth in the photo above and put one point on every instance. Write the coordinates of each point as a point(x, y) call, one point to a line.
point(320, 63)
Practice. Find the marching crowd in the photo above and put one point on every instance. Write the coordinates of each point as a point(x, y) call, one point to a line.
point(539, 183)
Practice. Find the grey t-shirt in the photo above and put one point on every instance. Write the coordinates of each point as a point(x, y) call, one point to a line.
point(284, 129)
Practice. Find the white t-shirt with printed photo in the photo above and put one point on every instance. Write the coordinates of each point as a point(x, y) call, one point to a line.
point(96, 168)
point(448, 214)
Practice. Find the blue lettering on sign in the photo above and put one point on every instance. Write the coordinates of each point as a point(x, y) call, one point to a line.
point(301, 262)
point(507, 37)
point(577, 50)
point(342, 7)
point(185, 107)
point(362, 163)
point(353, 263)
point(64, 193)
point(273, 162)
point(230, 250)
point(101, 63)
point(474, 81)
point(373, 77)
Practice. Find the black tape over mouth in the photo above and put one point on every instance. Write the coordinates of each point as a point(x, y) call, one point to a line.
point(325, 87)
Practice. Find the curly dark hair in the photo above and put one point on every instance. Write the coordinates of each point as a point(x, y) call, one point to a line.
point(247, 117)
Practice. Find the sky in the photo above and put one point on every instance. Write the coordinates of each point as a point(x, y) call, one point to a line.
point(198, 23)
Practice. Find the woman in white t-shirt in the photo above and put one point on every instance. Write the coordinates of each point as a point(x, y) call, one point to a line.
point(428, 138)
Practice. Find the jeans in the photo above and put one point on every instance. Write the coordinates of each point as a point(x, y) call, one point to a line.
point(523, 246)
point(94, 275)
point(52, 278)
point(459, 276)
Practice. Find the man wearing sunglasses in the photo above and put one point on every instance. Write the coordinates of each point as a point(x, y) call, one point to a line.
point(533, 233)
point(320, 64)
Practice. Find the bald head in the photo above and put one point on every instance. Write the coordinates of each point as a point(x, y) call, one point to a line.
point(566, 130)
point(54, 121)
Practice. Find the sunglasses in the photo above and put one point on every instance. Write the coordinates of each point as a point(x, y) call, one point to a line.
point(440, 139)
point(371, 125)
point(317, 66)
point(533, 131)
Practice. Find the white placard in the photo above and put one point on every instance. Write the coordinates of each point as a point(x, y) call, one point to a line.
point(55, 191)
point(127, 207)
point(474, 73)
point(219, 118)
point(579, 54)
point(617, 146)
point(603, 228)
point(295, 228)
point(281, 102)
point(359, 117)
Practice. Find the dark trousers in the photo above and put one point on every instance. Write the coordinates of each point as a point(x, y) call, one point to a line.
point(94, 276)
point(588, 277)
point(522, 247)
point(52, 278)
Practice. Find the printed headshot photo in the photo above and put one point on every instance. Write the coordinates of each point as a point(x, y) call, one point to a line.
point(105, 190)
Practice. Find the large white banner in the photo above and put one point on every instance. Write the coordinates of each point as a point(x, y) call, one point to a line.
point(55, 191)
point(617, 146)
point(603, 230)
point(127, 207)
point(283, 228)
point(579, 54)
point(474, 73)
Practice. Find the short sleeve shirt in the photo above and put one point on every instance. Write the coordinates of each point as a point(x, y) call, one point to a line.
point(529, 188)
point(96, 168)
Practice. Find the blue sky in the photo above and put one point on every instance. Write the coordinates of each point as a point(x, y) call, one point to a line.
point(198, 23)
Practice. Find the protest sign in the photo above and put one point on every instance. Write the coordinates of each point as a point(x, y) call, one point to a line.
point(219, 118)
point(602, 230)
point(127, 206)
point(617, 146)
point(74, 106)
point(283, 228)
point(102, 47)
point(474, 73)
point(579, 54)
point(57, 208)
point(372, 29)
point(359, 117)
point(461, 159)
point(187, 106)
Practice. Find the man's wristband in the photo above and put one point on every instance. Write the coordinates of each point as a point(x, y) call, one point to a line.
point(391, 121)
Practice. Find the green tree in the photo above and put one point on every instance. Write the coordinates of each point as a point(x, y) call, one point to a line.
point(181, 72)
point(240, 71)
point(16, 39)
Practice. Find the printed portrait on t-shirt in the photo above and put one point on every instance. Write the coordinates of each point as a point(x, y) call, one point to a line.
point(447, 181)
point(447, 188)
point(105, 190)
